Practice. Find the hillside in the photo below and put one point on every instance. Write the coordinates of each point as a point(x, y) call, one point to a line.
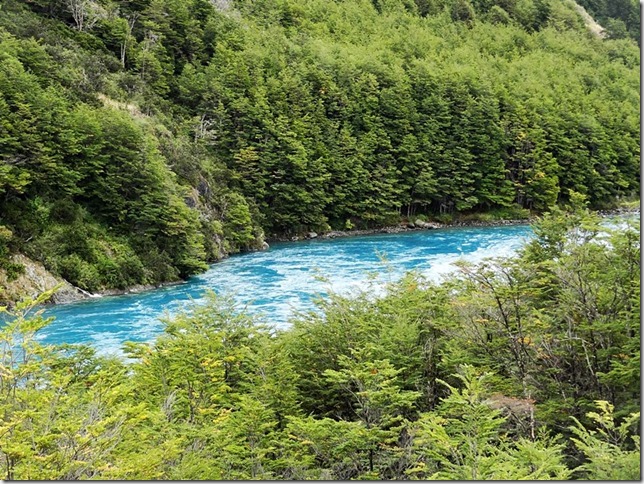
point(142, 139)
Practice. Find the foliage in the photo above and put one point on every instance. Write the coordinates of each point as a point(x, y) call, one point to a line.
point(178, 132)
point(464, 440)
point(525, 368)
point(609, 454)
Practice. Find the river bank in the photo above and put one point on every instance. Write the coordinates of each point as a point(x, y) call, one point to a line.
point(423, 225)
point(418, 225)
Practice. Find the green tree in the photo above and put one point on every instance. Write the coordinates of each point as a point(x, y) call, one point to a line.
point(464, 440)
point(612, 451)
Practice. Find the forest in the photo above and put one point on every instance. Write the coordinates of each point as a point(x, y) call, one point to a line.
point(141, 140)
point(517, 368)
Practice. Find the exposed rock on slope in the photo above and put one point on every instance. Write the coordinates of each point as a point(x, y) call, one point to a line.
point(593, 26)
point(35, 280)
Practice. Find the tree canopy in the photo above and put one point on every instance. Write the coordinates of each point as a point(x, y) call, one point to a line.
point(143, 139)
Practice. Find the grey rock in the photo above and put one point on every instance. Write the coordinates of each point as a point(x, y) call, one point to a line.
point(333, 234)
point(34, 281)
point(427, 225)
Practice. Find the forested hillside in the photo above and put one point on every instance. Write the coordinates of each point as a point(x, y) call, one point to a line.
point(524, 368)
point(141, 139)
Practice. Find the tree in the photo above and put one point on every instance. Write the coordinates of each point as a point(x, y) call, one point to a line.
point(612, 451)
point(377, 402)
point(86, 13)
point(464, 440)
point(58, 404)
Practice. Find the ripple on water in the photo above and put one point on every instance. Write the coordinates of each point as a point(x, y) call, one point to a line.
point(282, 280)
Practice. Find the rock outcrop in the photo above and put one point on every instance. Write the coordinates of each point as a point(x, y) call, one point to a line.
point(33, 281)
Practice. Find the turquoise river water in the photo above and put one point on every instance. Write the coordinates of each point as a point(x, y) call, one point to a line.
point(281, 280)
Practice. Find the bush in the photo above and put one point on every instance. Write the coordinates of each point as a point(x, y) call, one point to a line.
point(502, 213)
point(444, 218)
point(79, 272)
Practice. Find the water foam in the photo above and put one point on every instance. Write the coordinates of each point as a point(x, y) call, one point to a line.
point(283, 280)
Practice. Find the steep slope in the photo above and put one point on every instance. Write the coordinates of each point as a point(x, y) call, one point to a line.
point(142, 139)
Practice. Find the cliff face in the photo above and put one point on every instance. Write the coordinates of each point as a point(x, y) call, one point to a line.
point(35, 280)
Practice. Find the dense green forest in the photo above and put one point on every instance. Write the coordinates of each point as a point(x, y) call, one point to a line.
point(142, 139)
point(523, 368)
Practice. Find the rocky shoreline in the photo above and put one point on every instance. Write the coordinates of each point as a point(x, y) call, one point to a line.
point(618, 211)
point(36, 279)
point(134, 289)
point(422, 225)
point(418, 225)
point(33, 281)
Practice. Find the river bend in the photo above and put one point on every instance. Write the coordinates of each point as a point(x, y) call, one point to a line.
point(282, 279)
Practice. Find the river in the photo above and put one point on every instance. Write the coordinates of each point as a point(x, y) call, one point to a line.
point(283, 279)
